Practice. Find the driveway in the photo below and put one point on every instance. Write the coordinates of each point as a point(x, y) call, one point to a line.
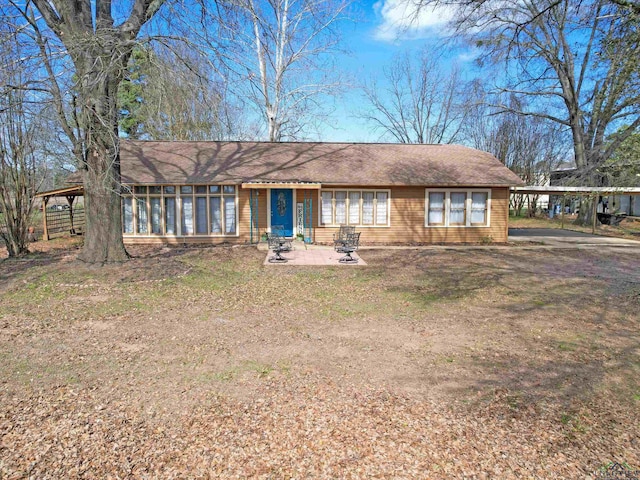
point(567, 238)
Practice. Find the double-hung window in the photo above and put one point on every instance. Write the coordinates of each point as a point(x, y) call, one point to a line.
point(457, 207)
point(354, 207)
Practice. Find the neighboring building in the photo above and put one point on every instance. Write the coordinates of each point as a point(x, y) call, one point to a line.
point(563, 174)
point(214, 192)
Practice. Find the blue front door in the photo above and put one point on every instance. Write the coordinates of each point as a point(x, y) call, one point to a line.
point(282, 209)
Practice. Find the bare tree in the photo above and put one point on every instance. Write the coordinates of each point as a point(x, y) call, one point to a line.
point(419, 102)
point(18, 175)
point(529, 146)
point(280, 52)
point(87, 45)
point(20, 172)
point(577, 62)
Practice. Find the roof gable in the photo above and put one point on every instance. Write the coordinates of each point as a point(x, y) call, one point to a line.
point(151, 162)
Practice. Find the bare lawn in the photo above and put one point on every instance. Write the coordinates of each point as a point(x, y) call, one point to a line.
point(203, 363)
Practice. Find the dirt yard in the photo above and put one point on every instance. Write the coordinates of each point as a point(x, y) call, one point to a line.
point(203, 363)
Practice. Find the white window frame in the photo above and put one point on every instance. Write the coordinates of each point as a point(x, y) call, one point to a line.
point(178, 214)
point(447, 206)
point(360, 191)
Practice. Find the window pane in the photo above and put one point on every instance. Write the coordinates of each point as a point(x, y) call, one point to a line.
point(456, 214)
point(354, 208)
point(436, 208)
point(142, 216)
point(229, 189)
point(156, 215)
point(216, 217)
point(187, 216)
point(326, 208)
point(479, 208)
point(169, 190)
point(367, 208)
point(201, 189)
point(170, 215)
point(140, 190)
point(155, 190)
point(186, 189)
point(341, 208)
point(381, 208)
point(201, 215)
point(127, 215)
point(230, 215)
point(214, 188)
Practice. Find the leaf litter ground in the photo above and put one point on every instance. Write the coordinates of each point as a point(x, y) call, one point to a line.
point(203, 363)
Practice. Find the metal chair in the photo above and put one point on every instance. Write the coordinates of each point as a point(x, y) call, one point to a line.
point(277, 229)
point(278, 244)
point(351, 245)
point(340, 238)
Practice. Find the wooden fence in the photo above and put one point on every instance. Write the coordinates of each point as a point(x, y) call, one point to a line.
point(59, 222)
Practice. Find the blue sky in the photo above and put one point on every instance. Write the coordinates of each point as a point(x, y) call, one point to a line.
point(380, 33)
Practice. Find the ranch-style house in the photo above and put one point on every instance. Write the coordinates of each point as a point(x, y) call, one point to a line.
point(232, 192)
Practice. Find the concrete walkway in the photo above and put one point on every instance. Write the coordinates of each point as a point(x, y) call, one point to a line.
point(557, 237)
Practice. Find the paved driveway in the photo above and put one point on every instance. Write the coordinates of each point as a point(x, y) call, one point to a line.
point(567, 238)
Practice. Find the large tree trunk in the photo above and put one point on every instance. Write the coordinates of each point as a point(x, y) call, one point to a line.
point(103, 241)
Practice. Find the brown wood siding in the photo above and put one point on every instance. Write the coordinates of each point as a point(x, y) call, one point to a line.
point(408, 218)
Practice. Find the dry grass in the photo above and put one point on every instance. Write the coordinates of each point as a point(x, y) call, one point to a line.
point(203, 363)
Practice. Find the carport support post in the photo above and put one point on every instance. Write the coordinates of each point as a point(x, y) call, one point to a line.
point(70, 199)
point(595, 214)
point(45, 234)
point(564, 200)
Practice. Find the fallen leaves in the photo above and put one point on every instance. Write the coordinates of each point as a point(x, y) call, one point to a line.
point(295, 430)
point(198, 364)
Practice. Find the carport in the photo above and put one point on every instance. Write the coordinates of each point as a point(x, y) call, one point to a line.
point(70, 193)
point(565, 191)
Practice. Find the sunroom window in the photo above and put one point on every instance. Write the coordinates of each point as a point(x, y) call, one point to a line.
point(184, 210)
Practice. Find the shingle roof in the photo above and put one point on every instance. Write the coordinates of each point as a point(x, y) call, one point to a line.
point(151, 162)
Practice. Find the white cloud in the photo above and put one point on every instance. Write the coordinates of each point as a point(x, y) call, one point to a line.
point(402, 19)
point(469, 55)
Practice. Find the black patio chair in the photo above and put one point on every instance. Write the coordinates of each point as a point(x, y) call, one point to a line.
point(340, 238)
point(278, 244)
point(350, 245)
point(277, 229)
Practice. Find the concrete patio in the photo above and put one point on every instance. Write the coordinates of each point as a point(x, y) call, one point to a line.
point(316, 255)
